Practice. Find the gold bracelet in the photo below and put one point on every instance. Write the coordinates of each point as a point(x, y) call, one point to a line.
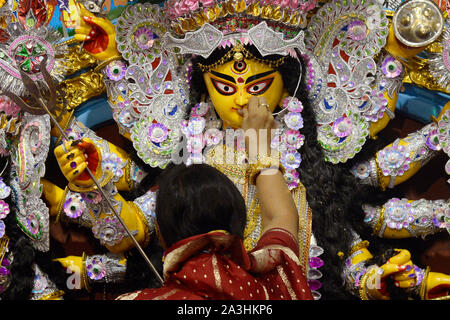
point(362, 285)
point(83, 273)
point(61, 205)
point(55, 294)
point(380, 176)
point(76, 188)
point(379, 223)
point(127, 175)
point(102, 64)
point(252, 219)
point(360, 245)
point(4, 242)
point(423, 287)
point(263, 163)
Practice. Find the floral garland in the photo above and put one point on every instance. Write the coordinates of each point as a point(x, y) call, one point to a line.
point(202, 131)
point(5, 191)
point(176, 9)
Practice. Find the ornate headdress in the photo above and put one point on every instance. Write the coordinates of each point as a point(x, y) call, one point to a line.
point(273, 27)
point(350, 76)
point(150, 95)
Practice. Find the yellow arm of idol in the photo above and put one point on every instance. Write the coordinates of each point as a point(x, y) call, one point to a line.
point(135, 221)
point(72, 162)
point(372, 283)
point(131, 214)
point(357, 270)
point(428, 285)
point(376, 127)
point(53, 195)
point(437, 286)
point(77, 265)
point(103, 27)
point(416, 149)
point(400, 52)
point(402, 218)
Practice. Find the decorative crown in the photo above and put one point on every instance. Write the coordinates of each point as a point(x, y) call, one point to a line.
point(230, 16)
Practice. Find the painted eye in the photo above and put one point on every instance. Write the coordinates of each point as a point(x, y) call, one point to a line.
point(224, 88)
point(259, 87)
point(240, 66)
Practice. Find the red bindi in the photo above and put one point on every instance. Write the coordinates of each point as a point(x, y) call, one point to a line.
point(240, 80)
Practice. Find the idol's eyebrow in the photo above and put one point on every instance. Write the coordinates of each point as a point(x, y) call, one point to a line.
point(223, 76)
point(259, 75)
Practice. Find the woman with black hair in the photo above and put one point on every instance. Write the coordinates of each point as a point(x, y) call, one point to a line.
point(201, 217)
point(334, 194)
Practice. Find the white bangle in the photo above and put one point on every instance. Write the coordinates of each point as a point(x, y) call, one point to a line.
point(269, 171)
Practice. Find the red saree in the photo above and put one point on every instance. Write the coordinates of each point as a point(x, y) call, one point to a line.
point(216, 266)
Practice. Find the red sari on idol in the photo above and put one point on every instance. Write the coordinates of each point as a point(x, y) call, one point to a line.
point(216, 266)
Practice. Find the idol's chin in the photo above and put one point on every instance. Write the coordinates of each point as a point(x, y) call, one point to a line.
point(232, 125)
point(234, 121)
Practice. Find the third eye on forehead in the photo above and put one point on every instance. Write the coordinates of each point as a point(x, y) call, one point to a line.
point(249, 79)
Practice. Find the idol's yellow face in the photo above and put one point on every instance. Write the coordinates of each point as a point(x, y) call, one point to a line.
point(231, 85)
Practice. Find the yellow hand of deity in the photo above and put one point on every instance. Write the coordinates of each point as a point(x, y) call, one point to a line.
point(73, 158)
point(399, 268)
point(437, 286)
point(97, 34)
point(74, 264)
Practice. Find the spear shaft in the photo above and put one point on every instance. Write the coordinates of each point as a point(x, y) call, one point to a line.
point(97, 184)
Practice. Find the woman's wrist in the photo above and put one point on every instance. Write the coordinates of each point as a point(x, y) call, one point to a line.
point(269, 171)
point(269, 164)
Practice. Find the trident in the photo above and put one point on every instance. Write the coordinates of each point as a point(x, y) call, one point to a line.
point(43, 109)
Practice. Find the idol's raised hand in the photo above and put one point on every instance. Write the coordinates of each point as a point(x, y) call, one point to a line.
point(97, 35)
point(74, 158)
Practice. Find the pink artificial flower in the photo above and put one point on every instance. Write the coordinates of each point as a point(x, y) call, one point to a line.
point(207, 3)
point(277, 2)
point(285, 3)
point(8, 106)
point(307, 6)
point(182, 8)
point(294, 4)
point(175, 10)
point(191, 5)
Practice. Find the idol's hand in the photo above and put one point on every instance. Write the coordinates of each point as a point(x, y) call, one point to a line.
point(399, 268)
point(73, 158)
point(437, 285)
point(98, 35)
point(74, 265)
point(405, 277)
point(257, 123)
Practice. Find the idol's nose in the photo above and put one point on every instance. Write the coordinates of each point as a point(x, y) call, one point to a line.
point(241, 100)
